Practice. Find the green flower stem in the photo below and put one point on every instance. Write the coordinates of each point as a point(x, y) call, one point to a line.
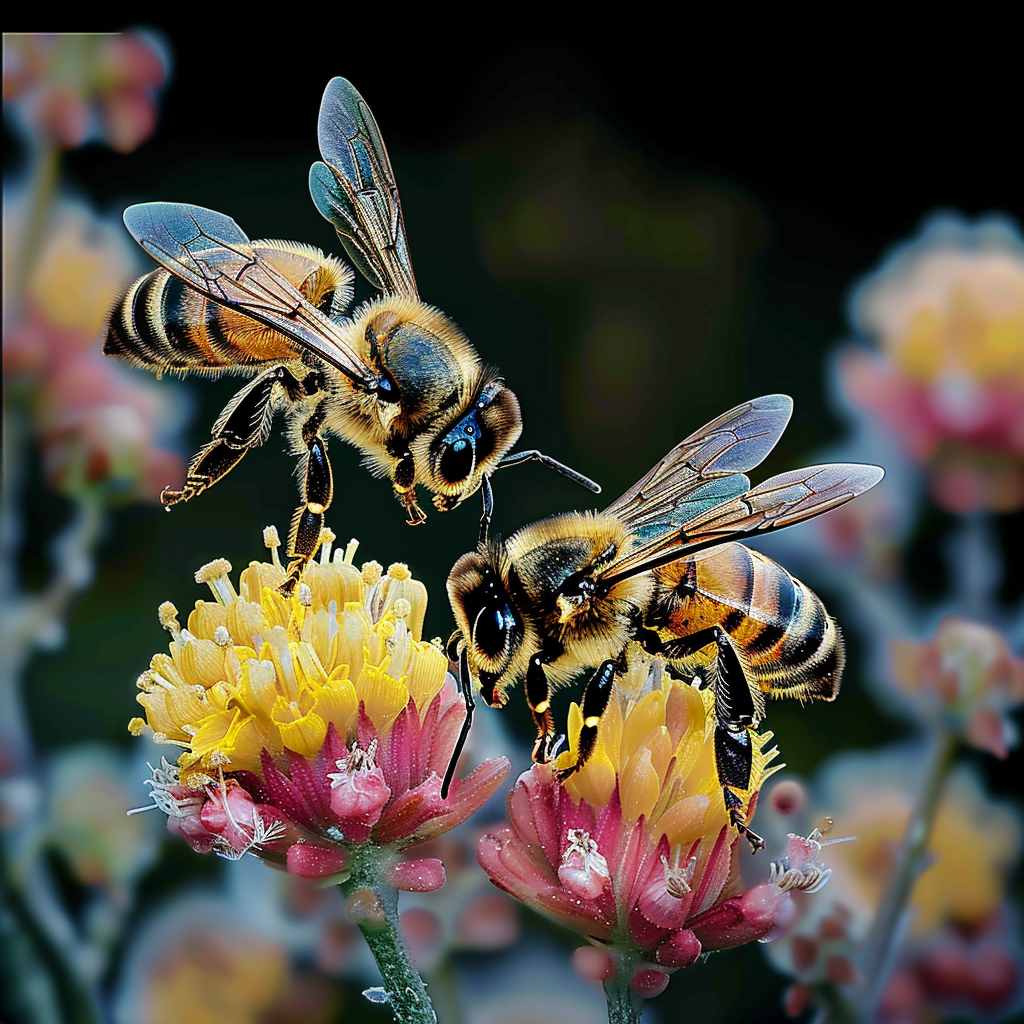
point(624, 1005)
point(886, 926)
point(407, 995)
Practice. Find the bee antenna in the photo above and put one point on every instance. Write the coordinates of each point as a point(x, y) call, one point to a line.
point(466, 686)
point(515, 458)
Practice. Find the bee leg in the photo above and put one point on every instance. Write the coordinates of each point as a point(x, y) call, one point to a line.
point(515, 458)
point(214, 460)
point(538, 697)
point(733, 761)
point(487, 495)
point(243, 424)
point(466, 686)
point(734, 713)
point(595, 699)
point(317, 491)
point(734, 718)
point(405, 482)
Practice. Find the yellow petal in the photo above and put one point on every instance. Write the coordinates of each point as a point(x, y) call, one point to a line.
point(644, 716)
point(639, 786)
point(246, 622)
point(205, 618)
point(683, 822)
point(337, 702)
point(384, 698)
point(302, 732)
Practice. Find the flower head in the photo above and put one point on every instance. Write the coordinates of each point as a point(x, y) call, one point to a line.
point(636, 850)
point(946, 316)
point(309, 724)
point(966, 674)
point(68, 88)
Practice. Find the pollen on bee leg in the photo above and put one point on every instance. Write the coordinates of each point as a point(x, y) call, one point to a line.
point(169, 620)
point(216, 576)
point(272, 540)
point(327, 539)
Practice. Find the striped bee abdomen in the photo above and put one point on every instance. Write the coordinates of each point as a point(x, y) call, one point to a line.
point(789, 645)
point(165, 325)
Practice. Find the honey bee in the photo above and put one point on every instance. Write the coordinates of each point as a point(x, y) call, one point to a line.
point(660, 573)
point(395, 377)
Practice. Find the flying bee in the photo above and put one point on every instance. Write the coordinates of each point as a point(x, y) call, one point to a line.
point(660, 573)
point(395, 377)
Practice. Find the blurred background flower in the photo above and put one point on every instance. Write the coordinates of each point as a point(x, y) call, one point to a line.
point(639, 243)
point(945, 318)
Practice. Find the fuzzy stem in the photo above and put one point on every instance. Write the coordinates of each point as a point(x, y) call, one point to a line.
point(624, 1006)
point(886, 927)
point(407, 995)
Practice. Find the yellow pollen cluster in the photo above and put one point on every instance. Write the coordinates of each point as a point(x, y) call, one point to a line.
point(657, 741)
point(255, 669)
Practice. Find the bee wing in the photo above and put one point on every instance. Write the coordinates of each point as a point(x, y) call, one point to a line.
point(210, 252)
point(706, 469)
point(355, 190)
point(778, 502)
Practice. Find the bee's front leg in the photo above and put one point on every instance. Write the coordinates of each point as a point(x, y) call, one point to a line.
point(404, 480)
point(595, 699)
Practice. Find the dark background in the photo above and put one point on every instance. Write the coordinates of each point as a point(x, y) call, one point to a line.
point(641, 229)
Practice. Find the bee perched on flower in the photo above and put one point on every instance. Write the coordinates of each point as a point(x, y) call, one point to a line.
point(314, 730)
point(636, 850)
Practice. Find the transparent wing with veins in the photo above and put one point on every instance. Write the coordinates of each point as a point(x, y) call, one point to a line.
point(210, 252)
point(705, 469)
point(355, 190)
point(778, 502)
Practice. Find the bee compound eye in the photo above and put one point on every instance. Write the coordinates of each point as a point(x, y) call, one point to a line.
point(456, 461)
point(491, 631)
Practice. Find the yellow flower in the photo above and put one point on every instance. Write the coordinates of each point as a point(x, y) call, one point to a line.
point(256, 670)
point(656, 743)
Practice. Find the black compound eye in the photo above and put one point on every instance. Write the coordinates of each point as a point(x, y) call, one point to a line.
point(456, 461)
point(491, 631)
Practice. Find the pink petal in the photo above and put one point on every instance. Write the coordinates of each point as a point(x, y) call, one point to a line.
point(310, 861)
point(424, 875)
point(741, 919)
point(465, 798)
point(649, 983)
point(680, 949)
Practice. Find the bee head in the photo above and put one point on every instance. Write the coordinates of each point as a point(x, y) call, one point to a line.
point(488, 623)
point(473, 444)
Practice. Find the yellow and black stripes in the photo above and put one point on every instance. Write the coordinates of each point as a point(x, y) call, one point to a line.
point(788, 644)
point(163, 324)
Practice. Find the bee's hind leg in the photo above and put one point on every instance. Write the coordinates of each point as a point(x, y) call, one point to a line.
point(243, 424)
point(734, 719)
point(317, 492)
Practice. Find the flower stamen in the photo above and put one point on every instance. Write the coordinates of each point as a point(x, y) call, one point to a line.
point(216, 576)
point(272, 540)
point(678, 876)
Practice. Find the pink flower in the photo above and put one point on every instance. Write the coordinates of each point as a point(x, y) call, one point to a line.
point(70, 88)
point(648, 869)
point(945, 315)
point(968, 675)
